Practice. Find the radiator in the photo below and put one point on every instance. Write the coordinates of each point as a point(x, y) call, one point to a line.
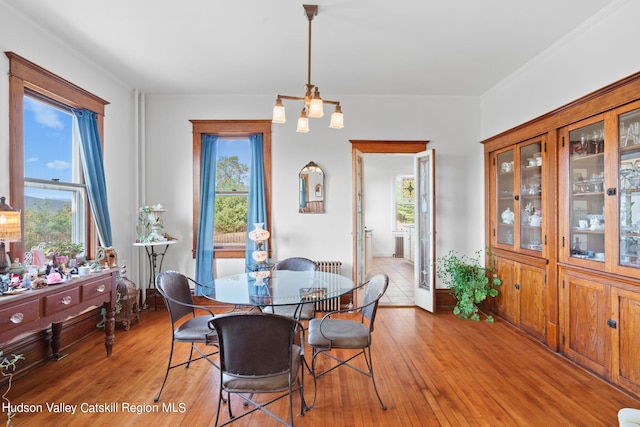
point(399, 247)
point(334, 267)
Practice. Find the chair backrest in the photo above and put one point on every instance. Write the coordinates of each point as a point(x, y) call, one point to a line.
point(296, 264)
point(175, 290)
point(254, 344)
point(375, 289)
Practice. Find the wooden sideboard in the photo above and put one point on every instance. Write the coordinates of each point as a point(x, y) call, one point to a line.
point(38, 309)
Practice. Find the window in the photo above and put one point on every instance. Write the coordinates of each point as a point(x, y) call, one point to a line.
point(404, 198)
point(232, 171)
point(232, 192)
point(54, 194)
point(46, 177)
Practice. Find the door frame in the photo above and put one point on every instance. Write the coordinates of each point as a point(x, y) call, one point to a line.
point(374, 147)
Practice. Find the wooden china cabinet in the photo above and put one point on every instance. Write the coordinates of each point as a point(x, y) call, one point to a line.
point(519, 232)
point(563, 219)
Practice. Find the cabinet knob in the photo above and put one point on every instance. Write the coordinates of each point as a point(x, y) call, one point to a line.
point(17, 318)
point(66, 300)
point(517, 286)
point(516, 197)
point(101, 288)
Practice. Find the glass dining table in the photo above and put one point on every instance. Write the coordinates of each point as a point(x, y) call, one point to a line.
point(278, 288)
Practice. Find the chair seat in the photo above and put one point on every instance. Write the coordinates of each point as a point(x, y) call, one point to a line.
point(343, 333)
point(255, 384)
point(306, 312)
point(194, 330)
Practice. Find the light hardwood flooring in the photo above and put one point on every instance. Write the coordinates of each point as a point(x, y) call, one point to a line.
point(432, 370)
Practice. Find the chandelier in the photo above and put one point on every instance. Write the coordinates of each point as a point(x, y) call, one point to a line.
point(313, 103)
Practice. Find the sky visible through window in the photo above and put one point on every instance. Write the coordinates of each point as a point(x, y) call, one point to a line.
point(48, 133)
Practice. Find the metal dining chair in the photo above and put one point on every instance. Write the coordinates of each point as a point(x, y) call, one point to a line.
point(332, 333)
point(258, 355)
point(186, 325)
point(303, 311)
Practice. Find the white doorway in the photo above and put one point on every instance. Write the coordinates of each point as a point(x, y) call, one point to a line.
point(400, 275)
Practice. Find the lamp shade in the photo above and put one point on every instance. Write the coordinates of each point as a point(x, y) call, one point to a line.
point(337, 120)
point(316, 105)
point(10, 223)
point(259, 234)
point(278, 112)
point(303, 122)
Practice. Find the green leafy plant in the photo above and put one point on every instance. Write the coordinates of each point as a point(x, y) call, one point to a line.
point(468, 281)
point(65, 248)
point(7, 368)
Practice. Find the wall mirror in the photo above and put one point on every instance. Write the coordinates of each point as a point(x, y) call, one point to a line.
point(311, 179)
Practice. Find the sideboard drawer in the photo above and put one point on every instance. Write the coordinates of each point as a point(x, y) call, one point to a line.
point(19, 314)
point(96, 289)
point(61, 301)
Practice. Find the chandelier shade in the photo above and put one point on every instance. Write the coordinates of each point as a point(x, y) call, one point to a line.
point(313, 104)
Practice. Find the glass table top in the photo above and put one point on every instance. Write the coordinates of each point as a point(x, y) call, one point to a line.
point(279, 287)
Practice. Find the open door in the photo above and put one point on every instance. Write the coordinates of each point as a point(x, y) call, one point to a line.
point(359, 266)
point(424, 263)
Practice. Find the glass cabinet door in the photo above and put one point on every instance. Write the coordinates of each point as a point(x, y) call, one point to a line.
point(505, 197)
point(629, 185)
point(531, 196)
point(587, 196)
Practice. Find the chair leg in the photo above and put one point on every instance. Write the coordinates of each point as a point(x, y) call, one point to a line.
point(373, 378)
point(369, 373)
point(166, 375)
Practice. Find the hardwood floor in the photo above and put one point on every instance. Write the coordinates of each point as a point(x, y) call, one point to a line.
point(432, 370)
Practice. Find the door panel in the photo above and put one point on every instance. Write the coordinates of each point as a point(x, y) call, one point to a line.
point(507, 300)
point(532, 306)
point(584, 334)
point(626, 339)
point(424, 263)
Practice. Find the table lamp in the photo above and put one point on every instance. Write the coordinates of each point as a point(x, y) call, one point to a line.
point(259, 235)
point(10, 231)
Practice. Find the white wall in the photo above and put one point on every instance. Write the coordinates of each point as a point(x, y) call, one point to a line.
point(450, 123)
point(380, 171)
point(19, 35)
point(601, 51)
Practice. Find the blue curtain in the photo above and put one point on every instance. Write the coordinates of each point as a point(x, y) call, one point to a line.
point(93, 166)
point(204, 245)
point(257, 211)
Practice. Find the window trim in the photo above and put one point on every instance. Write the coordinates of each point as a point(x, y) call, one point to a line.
point(228, 128)
point(25, 76)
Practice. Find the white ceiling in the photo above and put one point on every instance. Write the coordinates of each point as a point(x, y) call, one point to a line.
point(425, 47)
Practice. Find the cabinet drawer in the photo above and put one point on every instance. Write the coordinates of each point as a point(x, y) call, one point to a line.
point(19, 314)
point(96, 289)
point(61, 301)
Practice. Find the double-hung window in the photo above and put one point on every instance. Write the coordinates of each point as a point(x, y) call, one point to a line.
point(54, 191)
point(46, 175)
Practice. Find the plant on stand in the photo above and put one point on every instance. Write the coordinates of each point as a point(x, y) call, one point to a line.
point(468, 281)
point(7, 368)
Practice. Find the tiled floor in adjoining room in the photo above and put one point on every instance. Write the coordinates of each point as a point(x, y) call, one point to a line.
point(400, 272)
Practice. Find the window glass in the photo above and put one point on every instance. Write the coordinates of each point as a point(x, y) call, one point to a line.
point(404, 197)
point(232, 191)
point(53, 190)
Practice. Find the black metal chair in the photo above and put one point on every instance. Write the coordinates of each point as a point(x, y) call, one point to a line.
point(186, 325)
point(306, 311)
point(329, 333)
point(258, 355)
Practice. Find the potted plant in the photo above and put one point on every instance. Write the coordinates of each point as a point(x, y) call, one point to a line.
point(64, 248)
point(468, 281)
